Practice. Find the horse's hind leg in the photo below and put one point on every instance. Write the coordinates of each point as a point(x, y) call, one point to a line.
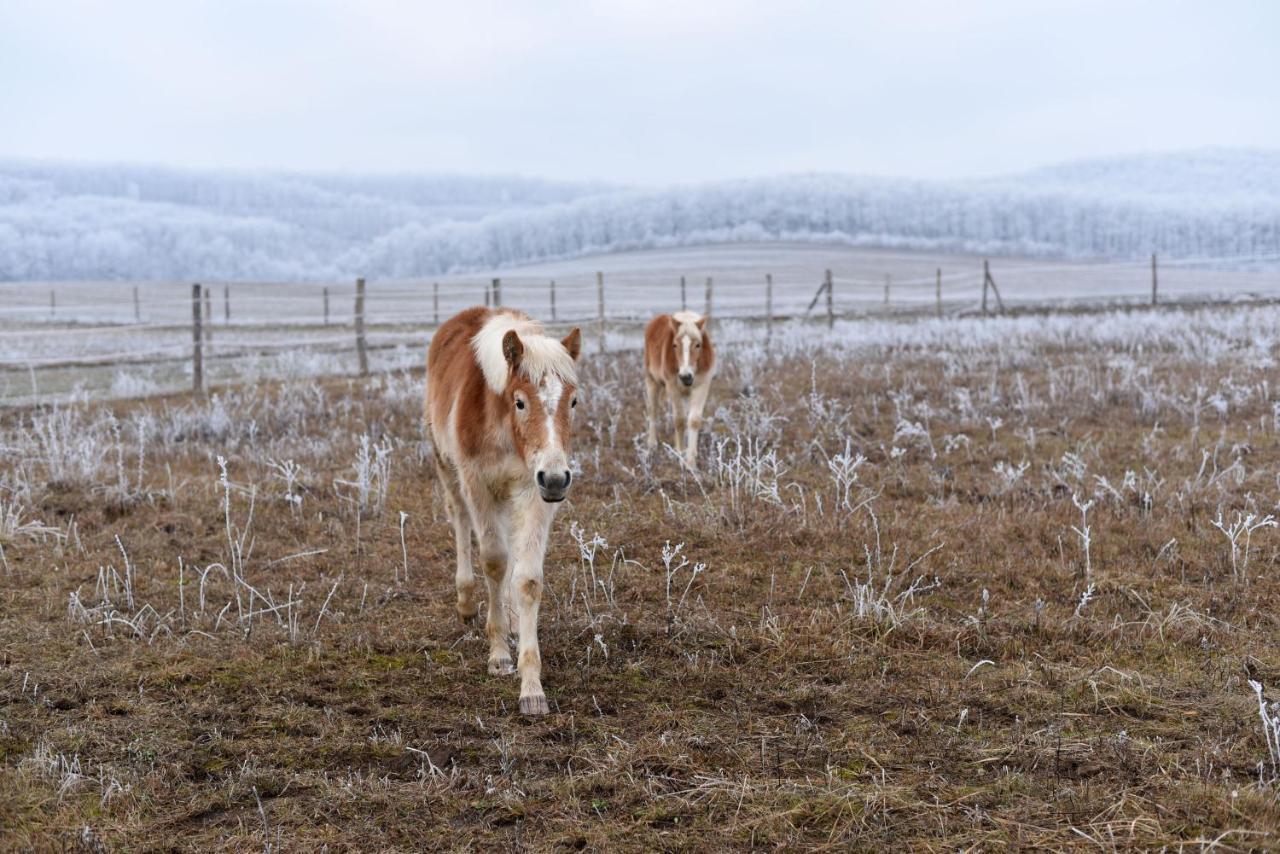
point(464, 578)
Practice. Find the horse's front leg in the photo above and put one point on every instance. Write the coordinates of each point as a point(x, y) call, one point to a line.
point(697, 400)
point(529, 545)
point(491, 531)
point(651, 407)
point(677, 415)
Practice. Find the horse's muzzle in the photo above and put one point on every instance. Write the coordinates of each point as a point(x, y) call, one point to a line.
point(553, 486)
point(686, 380)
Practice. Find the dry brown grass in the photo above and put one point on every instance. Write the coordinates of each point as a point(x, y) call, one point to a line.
point(762, 711)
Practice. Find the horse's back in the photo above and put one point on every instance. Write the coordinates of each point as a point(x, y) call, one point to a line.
point(451, 365)
point(657, 340)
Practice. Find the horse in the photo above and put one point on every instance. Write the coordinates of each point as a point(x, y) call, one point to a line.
point(678, 356)
point(500, 402)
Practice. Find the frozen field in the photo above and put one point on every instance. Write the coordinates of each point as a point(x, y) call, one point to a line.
point(941, 584)
point(59, 340)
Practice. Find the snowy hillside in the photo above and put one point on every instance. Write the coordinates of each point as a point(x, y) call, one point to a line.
point(124, 222)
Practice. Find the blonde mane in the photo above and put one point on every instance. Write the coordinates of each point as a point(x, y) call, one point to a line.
point(542, 355)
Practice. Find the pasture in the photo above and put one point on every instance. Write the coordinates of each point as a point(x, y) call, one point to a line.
point(939, 583)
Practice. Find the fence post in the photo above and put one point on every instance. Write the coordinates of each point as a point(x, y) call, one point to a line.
point(831, 311)
point(435, 302)
point(361, 353)
point(197, 343)
point(137, 308)
point(684, 302)
point(326, 306)
point(487, 295)
point(707, 313)
point(988, 280)
point(600, 308)
point(939, 292)
point(1153, 278)
point(53, 304)
point(768, 307)
point(986, 277)
point(497, 292)
point(553, 300)
point(226, 303)
point(208, 315)
point(887, 280)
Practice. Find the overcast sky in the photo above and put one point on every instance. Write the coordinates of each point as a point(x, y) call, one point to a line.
point(646, 92)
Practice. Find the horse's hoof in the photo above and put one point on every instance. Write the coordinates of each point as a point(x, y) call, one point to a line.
point(468, 618)
point(534, 705)
point(501, 667)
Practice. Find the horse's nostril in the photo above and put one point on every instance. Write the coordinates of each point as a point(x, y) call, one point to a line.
point(542, 479)
point(568, 476)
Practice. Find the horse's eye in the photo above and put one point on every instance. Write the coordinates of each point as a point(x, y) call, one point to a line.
point(519, 403)
point(573, 402)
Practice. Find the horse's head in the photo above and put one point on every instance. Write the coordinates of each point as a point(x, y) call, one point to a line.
point(687, 333)
point(541, 397)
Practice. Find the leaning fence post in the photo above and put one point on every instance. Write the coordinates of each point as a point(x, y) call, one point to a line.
point(768, 307)
point(488, 295)
point(497, 292)
point(435, 302)
point(226, 303)
point(987, 280)
point(197, 342)
point(707, 313)
point(326, 306)
point(684, 302)
point(361, 353)
point(600, 308)
point(986, 277)
point(1153, 278)
point(939, 292)
point(831, 311)
point(137, 307)
point(553, 300)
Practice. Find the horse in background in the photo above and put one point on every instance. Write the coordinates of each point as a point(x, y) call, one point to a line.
point(678, 357)
point(499, 408)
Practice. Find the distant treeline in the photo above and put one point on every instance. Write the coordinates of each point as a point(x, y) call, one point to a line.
point(121, 222)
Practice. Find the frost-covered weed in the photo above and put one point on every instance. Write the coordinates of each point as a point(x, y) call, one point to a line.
point(367, 489)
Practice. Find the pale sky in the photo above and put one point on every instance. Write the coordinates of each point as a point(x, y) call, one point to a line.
point(643, 92)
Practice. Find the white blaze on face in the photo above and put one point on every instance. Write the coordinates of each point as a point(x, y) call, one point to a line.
point(686, 344)
point(549, 391)
point(551, 456)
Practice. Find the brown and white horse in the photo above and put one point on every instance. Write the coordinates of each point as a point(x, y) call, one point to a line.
point(678, 356)
point(499, 409)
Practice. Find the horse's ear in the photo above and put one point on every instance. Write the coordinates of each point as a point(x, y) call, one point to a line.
point(702, 324)
point(573, 343)
point(512, 348)
point(675, 327)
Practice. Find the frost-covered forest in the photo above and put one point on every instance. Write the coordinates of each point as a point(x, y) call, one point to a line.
point(60, 221)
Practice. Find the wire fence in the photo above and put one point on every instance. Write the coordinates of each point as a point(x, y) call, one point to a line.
point(67, 340)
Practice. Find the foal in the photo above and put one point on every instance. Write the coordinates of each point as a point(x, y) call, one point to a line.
point(499, 410)
point(679, 357)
